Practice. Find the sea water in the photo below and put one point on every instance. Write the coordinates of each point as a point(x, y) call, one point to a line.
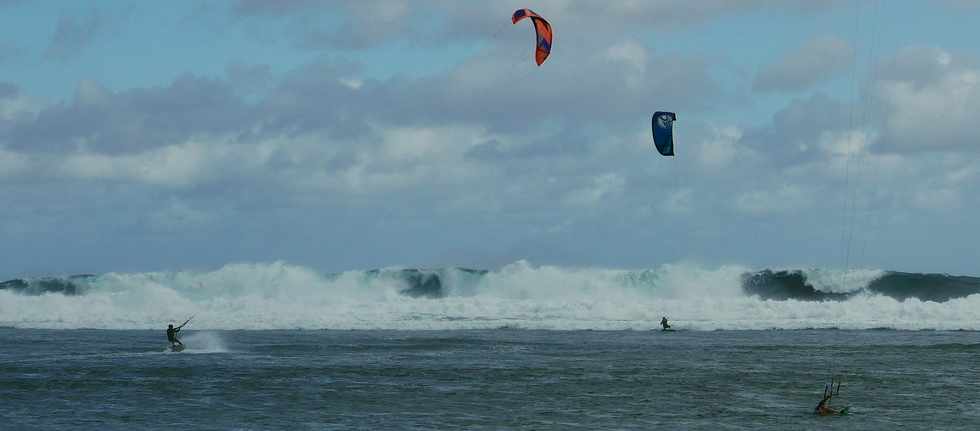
point(487, 379)
point(279, 346)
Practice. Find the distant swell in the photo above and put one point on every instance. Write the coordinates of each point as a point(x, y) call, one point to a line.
point(766, 284)
point(783, 285)
point(520, 295)
point(40, 286)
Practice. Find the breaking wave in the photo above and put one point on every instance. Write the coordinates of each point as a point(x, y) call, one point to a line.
point(519, 295)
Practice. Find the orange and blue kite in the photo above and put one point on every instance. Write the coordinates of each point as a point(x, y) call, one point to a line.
point(541, 28)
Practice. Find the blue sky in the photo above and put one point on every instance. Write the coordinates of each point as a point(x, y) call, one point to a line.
point(345, 135)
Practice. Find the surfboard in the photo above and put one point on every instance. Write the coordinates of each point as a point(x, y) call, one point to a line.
point(844, 411)
point(177, 348)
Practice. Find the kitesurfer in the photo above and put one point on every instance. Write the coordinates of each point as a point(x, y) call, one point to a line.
point(172, 335)
point(823, 409)
point(663, 322)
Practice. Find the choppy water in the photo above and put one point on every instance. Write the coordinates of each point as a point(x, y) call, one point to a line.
point(487, 379)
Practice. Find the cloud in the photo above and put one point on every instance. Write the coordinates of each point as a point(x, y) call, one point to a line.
point(370, 23)
point(101, 120)
point(602, 187)
point(815, 62)
point(14, 107)
point(784, 199)
point(845, 144)
point(629, 53)
point(618, 17)
point(74, 34)
point(928, 98)
point(797, 130)
point(946, 183)
point(334, 159)
point(406, 158)
point(338, 25)
point(172, 166)
point(719, 151)
point(483, 90)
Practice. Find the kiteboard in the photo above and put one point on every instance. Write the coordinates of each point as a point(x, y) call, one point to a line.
point(176, 348)
point(844, 411)
point(667, 330)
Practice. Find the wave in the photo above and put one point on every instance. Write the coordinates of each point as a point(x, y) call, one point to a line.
point(520, 295)
point(823, 285)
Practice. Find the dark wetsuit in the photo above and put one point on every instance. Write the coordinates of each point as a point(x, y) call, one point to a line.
point(663, 322)
point(172, 336)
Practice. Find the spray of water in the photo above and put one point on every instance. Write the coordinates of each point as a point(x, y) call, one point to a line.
point(519, 295)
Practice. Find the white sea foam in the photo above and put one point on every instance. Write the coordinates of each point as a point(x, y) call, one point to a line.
point(204, 342)
point(521, 295)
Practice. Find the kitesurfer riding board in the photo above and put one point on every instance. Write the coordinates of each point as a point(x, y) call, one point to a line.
point(175, 344)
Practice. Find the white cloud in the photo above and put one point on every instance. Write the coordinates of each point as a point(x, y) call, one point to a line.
point(391, 159)
point(787, 198)
point(634, 57)
point(719, 150)
point(352, 83)
point(933, 111)
point(428, 144)
point(629, 53)
point(385, 160)
point(602, 187)
point(180, 165)
point(847, 143)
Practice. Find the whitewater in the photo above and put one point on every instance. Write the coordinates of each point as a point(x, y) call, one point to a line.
point(520, 295)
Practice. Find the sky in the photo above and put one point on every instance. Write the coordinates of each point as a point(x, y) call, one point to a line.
point(341, 135)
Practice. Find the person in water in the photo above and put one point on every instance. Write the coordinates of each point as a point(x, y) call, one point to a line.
point(663, 322)
point(823, 409)
point(172, 335)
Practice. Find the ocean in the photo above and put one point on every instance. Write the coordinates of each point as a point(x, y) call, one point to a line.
point(487, 379)
point(276, 346)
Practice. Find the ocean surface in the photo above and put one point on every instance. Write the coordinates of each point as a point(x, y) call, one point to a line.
point(487, 379)
point(279, 346)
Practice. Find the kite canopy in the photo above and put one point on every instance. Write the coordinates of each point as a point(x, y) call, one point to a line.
point(541, 28)
point(663, 132)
